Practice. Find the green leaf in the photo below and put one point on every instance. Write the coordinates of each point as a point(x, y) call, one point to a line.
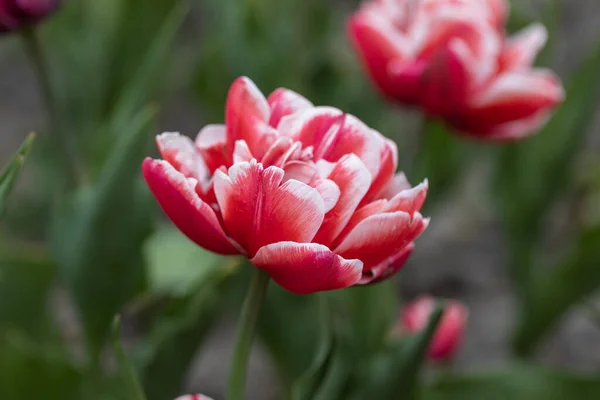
point(530, 176)
point(395, 373)
point(570, 282)
point(26, 277)
point(165, 355)
point(9, 174)
point(307, 384)
point(97, 237)
point(515, 382)
point(176, 265)
point(126, 370)
point(28, 371)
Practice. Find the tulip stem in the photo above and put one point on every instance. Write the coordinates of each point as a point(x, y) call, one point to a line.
point(245, 334)
point(36, 56)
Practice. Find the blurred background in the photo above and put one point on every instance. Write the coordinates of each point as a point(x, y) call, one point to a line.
point(97, 50)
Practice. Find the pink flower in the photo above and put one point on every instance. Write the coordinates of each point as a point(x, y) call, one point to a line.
point(449, 333)
point(307, 193)
point(193, 397)
point(453, 59)
point(15, 14)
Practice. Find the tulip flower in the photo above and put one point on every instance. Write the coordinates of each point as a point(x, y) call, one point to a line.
point(307, 193)
point(448, 335)
point(453, 59)
point(193, 397)
point(16, 14)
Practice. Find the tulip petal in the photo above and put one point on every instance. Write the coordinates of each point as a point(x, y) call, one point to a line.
point(397, 184)
point(258, 209)
point(304, 268)
point(284, 102)
point(378, 42)
point(388, 267)
point(512, 96)
point(353, 180)
point(241, 152)
point(409, 201)
point(380, 236)
point(210, 142)
point(519, 129)
point(388, 165)
point(521, 49)
point(181, 153)
point(247, 115)
point(329, 191)
point(179, 200)
point(310, 126)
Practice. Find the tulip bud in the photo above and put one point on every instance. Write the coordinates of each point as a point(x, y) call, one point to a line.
point(449, 333)
point(16, 14)
point(193, 397)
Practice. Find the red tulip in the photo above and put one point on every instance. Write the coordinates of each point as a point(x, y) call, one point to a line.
point(15, 14)
point(306, 193)
point(193, 397)
point(453, 59)
point(448, 336)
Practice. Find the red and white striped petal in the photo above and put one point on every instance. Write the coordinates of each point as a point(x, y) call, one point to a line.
point(247, 116)
point(258, 209)
point(380, 236)
point(359, 215)
point(388, 165)
point(388, 267)
point(329, 190)
point(521, 50)
point(397, 184)
point(353, 181)
point(304, 268)
point(310, 126)
point(513, 96)
point(210, 142)
point(284, 102)
point(177, 196)
point(519, 129)
point(241, 152)
point(410, 200)
point(181, 153)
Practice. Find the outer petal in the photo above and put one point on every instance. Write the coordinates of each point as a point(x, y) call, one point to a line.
point(304, 268)
point(521, 50)
point(380, 236)
point(405, 79)
point(179, 200)
point(353, 180)
point(210, 142)
point(311, 126)
point(285, 102)
point(397, 184)
point(246, 116)
point(512, 96)
point(388, 165)
point(377, 42)
point(258, 209)
point(410, 200)
point(388, 267)
point(519, 129)
point(181, 153)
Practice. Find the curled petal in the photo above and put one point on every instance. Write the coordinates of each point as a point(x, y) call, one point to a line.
point(285, 102)
point(179, 200)
point(329, 190)
point(378, 42)
point(388, 267)
point(210, 142)
point(304, 268)
point(241, 152)
point(397, 184)
point(310, 126)
point(388, 165)
point(353, 180)
point(258, 209)
point(522, 49)
point(513, 96)
point(301, 171)
point(380, 236)
point(181, 153)
point(410, 200)
point(247, 115)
